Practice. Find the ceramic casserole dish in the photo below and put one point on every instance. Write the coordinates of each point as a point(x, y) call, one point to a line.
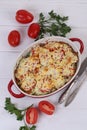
point(46, 66)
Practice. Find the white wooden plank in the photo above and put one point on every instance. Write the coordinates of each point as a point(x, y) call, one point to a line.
point(7, 63)
point(26, 41)
point(75, 11)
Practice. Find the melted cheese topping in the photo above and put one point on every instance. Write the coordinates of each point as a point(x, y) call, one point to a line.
point(47, 68)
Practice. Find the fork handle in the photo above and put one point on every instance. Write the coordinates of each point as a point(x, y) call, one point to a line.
point(64, 95)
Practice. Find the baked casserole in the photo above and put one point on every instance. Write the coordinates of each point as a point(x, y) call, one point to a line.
point(46, 68)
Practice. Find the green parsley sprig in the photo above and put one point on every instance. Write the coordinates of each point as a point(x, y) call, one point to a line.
point(12, 109)
point(27, 128)
point(54, 24)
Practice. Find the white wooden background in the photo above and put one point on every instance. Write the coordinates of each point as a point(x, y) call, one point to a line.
point(74, 117)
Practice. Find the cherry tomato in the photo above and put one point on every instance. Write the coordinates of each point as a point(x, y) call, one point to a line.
point(46, 107)
point(23, 16)
point(14, 38)
point(33, 30)
point(31, 115)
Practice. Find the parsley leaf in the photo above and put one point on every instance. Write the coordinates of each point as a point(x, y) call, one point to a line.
point(12, 109)
point(23, 128)
point(33, 127)
point(54, 24)
point(27, 128)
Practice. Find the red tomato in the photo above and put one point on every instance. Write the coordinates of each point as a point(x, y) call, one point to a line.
point(34, 30)
point(24, 16)
point(31, 115)
point(46, 107)
point(14, 38)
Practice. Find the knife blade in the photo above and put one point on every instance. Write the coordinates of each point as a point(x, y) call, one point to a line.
point(65, 94)
point(77, 82)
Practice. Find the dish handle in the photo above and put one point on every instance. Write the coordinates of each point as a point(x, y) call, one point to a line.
point(10, 85)
point(80, 42)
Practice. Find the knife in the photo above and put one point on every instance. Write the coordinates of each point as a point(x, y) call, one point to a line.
point(78, 84)
point(65, 94)
point(81, 76)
